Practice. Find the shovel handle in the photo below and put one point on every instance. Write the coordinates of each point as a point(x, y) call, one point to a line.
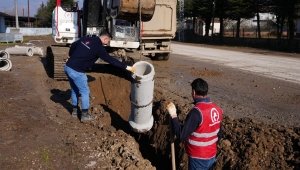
point(172, 143)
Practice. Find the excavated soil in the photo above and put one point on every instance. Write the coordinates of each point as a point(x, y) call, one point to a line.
point(261, 118)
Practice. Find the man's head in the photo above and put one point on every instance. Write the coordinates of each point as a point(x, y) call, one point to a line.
point(199, 87)
point(105, 37)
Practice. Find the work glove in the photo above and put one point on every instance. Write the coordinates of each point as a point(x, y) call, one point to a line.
point(172, 109)
point(131, 69)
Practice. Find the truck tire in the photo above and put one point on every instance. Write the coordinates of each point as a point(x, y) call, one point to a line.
point(162, 56)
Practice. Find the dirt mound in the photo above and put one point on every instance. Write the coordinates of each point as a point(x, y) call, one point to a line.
point(248, 144)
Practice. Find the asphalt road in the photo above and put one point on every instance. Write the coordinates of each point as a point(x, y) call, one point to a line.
point(271, 64)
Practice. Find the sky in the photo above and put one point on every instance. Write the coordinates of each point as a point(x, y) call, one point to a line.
point(8, 6)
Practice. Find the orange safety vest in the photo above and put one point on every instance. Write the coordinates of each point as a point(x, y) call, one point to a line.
point(202, 142)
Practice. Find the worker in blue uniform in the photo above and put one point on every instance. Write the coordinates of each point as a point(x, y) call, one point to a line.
point(82, 55)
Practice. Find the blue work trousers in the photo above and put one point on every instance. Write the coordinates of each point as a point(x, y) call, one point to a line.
point(79, 86)
point(200, 164)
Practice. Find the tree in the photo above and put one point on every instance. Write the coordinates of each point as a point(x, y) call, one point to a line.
point(191, 9)
point(44, 12)
point(291, 13)
point(205, 11)
point(261, 6)
point(220, 11)
point(285, 10)
point(239, 9)
point(40, 14)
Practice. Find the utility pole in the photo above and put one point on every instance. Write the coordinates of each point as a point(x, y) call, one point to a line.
point(17, 18)
point(28, 14)
point(213, 19)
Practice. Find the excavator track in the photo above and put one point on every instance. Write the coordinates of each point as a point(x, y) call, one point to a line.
point(56, 59)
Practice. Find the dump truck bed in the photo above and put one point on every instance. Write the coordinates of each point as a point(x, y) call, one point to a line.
point(163, 23)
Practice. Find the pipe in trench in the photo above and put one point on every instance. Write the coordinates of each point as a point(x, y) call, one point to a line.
point(141, 96)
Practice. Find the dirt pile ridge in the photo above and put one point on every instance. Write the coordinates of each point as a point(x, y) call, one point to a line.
point(248, 144)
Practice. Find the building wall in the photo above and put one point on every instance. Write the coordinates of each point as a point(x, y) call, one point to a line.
point(2, 24)
point(200, 28)
point(265, 16)
point(216, 28)
point(31, 31)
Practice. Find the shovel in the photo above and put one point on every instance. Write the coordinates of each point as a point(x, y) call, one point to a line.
point(172, 143)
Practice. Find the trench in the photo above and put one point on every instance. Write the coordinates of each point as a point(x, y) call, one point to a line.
point(112, 92)
point(245, 142)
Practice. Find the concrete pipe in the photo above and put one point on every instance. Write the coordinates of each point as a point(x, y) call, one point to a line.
point(141, 119)
point(37, 51)
point(4, 54)
point(18, 50)
point(5, 64)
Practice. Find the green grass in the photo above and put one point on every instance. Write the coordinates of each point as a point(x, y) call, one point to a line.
point(5, 44)
point(45, 155)
point(25, 39)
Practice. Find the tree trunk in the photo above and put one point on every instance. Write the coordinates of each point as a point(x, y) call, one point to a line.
point(258, 25)
point(222, 21)
point(221, 28)
point(207, 26)
point(277, 26)
point(238, 28)
point(291, 27)
point(281, 25)
point(194, 24)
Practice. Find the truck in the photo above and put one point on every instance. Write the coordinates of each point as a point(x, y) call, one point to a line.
point(144, 27)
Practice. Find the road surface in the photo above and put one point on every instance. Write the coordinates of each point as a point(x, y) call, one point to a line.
point(270, 64)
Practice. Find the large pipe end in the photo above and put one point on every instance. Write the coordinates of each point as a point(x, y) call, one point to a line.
point(140, 128)
point(144, 71)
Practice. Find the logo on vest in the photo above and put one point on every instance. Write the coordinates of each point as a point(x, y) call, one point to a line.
point(215, 116)
point(86, 43)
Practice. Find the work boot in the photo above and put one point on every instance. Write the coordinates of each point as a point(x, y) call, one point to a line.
point(86, 116)
point(75, 112)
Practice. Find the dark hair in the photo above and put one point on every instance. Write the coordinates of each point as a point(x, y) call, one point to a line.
point(105, 33)
point(200, 86)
